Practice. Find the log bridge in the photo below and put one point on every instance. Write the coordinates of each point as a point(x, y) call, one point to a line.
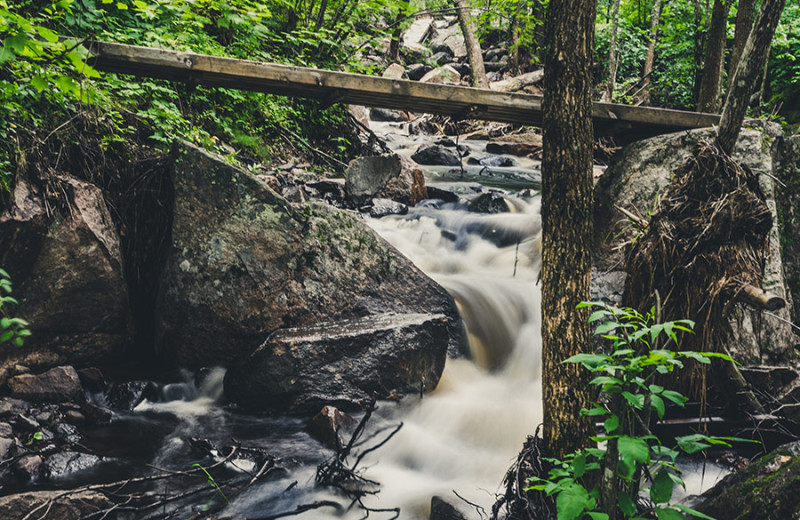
point(623, 121)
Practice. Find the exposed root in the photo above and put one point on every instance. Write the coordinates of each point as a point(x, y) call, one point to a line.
point(519, 503)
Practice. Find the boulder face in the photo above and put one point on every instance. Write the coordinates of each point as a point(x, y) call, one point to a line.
point(245, 264)
point(344, 363)
point(789, 215)
point(641, 172)
point(765, 489)
point(385, 176)
point(67, 272)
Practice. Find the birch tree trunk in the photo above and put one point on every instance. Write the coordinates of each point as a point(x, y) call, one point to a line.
point(608, 96)
point(655, 18)
point(711, 83)
point(567, 224)
point(745, 78)
point(474, 54)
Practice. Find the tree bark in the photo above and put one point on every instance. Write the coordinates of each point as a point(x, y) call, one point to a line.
point(394, 44)
point(711, 83)
point(474, 54)
point(745, 14)
point(745, 78)
point(608, 95)
point(566, 220)
point(514, 37)
point(655, 18)
point(699, 44)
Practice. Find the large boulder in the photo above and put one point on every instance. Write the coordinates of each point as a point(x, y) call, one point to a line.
point(67, 271)
point(641, 172)
point(244, 264)
point(385, 176)
point(768, 488)
point(345, 363)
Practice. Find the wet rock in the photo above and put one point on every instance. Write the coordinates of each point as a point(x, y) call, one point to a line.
point(435, 155)
point(330, 426)
point(125, 396)
point(96, 415)
point(243, 264)
point(444, 195)
point(442, 58)
point(386, 114)
point(65, 463)
point(445, 141)
point(345, 363)
point(417, 71)
point(385, 207)
point(518, 149)
point(641, 172)
point(440, 75)
point(92, 379)
point(27, 469)
point(385, 176)
point(491, 202)
point(493, 161)
point(54, 505)
point(68, 277)
point(767, 488)
point(443, 509)
point(56, 385)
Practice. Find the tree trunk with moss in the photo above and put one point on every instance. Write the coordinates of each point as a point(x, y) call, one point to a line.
point(566, 220)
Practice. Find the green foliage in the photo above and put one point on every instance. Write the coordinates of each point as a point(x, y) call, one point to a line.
point(784, 65)
point(625, 378)
point(212, 483)
point(11, 329)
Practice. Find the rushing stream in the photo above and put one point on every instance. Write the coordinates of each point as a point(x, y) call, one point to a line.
point(461, 438)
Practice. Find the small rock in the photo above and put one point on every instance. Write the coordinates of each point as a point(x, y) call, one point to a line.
point(294, 194)
point(125, 396)
point(518, 149)
point(74, 417)
point(493, 76)
point(491, 202)
point(385, 114)
point(444, 195)
point(56, 385)
point(329, 425)
point(384, 207)
point(92, 379)
point(28, 468)
point(463, 68)
point(6, 430)
point(394, 71)
point(10, 406)
point(65, 463)
point(441, 509)
point(493, 161)
point(445, 141)
point(444, 74)
point(435, 155)
point(495, 54)
point(97, 415)
point(417, 71)
point(441, 47)
point(441, 58)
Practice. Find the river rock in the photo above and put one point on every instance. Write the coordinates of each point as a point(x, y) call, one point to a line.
point(384, 207)
point(52, 505)
point(66, 463)
point(491, 202)
point(385, 176)
point(640, 172)
point(68, 277)
point(386, 114)
point(329, 425)
point(493, 161)
point(244, 264)
point(439, 75)
point(417, 71)
point(435, 154)
point(345, 363)
point(443, 509)
point(57, 385)
point(125, 396)
point(767, 488)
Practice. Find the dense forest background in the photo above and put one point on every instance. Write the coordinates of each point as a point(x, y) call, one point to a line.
point(45, 85)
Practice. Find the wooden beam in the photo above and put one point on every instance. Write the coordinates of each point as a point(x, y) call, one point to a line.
point(358, 89)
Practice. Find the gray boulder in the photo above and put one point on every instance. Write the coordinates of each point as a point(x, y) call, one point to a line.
point(385, 176)
point(244, 265)
point(344, 363)
point(435, 155)
point(640, 173)
point(67, 272)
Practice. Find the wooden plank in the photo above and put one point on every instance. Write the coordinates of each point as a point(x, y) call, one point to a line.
point(358, 89)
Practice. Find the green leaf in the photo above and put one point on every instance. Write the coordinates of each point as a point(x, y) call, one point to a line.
point(572, 502)
point(605, 328)
point(633, 448)
point(663, 451)
point(626, 504)
point(661, 490)
point(598, 516)
point(594, 412)
point(658, 405)
point(664, 513)
point(611, 424)
point(586, 359)
point(635, 400)
point(579, 465)
point(39, 83)
point(676, 397)
point(691, 444)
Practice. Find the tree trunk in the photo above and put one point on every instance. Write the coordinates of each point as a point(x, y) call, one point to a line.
point(566, 220)
point(745, 13)
point(710, 85)
point(699, 44)
point(655, 18)
point(394, 44)
point(745, 78)
point(474, 54)
point(321, 15)
point(608, 96)
point(514, 37)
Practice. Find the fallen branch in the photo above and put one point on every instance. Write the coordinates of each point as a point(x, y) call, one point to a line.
point(760, 299)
